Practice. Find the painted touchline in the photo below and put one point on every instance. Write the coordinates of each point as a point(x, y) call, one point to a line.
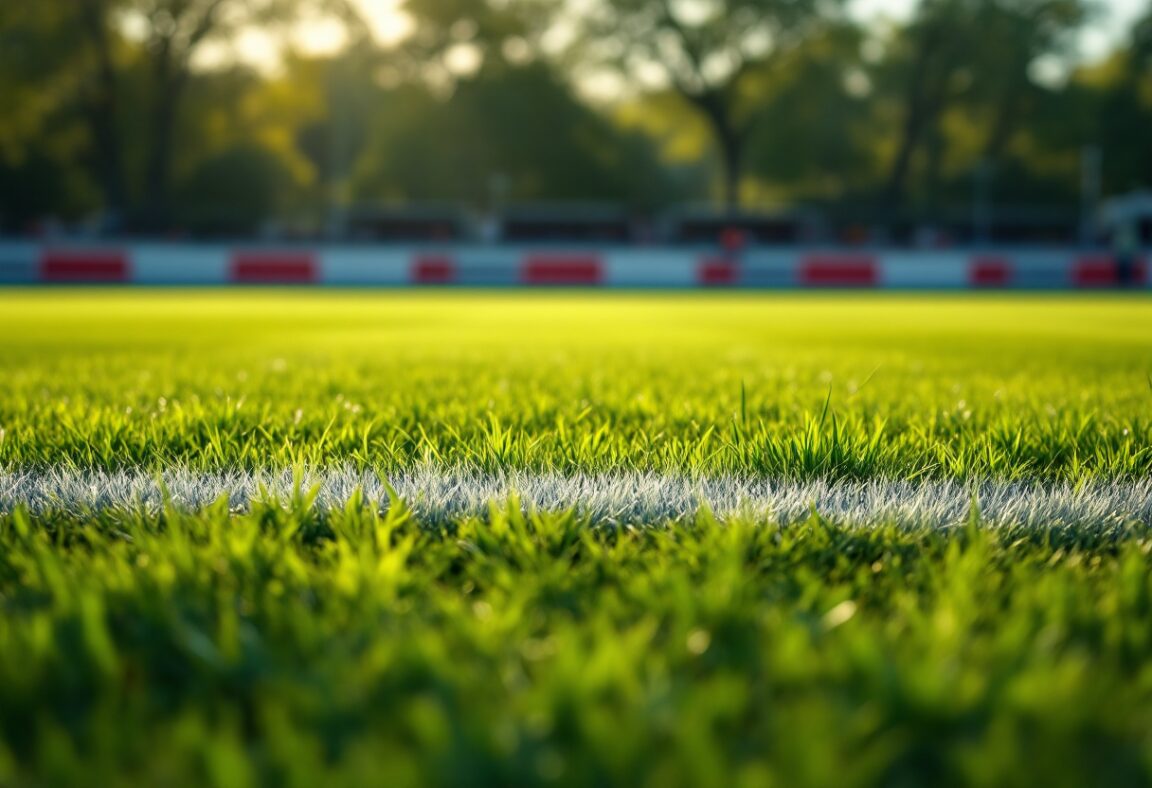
point(439, 494)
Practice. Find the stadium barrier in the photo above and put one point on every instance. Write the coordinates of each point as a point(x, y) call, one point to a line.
point(508, 266)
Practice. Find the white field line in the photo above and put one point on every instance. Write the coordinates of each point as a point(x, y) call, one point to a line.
point(438, 494)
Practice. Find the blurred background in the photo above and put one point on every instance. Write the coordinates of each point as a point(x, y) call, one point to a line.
point(927, 124)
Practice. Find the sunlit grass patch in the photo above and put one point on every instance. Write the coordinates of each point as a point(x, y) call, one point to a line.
point(811, 387)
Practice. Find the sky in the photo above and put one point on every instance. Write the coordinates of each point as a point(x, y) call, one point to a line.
point(384, 17)
point(389, 24)
point(1118, 18)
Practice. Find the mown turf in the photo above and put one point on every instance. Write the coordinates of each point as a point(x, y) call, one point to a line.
point(358, 642)
point(784, 386)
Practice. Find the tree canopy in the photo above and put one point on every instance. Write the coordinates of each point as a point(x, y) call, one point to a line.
point(117, 115)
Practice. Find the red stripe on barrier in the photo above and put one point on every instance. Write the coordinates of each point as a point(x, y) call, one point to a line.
point(1095, 271)
point(80, 266)
point(433, 270)
point(989, 272)
point(274, 268)
point(836, 270)
point(717, 272)
point(563, 269)
point(1104, 271)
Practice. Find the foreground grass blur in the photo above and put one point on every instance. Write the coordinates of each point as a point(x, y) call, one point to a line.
point(297, 647)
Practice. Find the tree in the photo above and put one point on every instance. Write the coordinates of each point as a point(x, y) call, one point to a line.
point(973, 52)
point(43, 133)
point(484, 100)
point(232, 192)
point(1123, 115)
point(1140, 44)
point(344, 98)
point(512, 29)
point(163, 37)
point(817, 145)
point(707, 51)
point(521, 123)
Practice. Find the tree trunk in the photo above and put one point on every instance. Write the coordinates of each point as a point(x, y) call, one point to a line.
point(101, 111)
point(171, 73)
point(902, 164)
point(911, 134)
point(936, 148)
point(168, 84)
point(731, 151)
point(919, 110)
point(158, 171)
point(729, 142)
point(1004, 125)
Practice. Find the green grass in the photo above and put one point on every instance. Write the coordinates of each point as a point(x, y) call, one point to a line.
point(805, 387)
point(298, 645)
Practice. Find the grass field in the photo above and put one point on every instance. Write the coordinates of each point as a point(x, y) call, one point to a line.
point(272, 537)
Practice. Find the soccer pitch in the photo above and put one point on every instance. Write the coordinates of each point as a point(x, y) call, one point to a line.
point(303, 538)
